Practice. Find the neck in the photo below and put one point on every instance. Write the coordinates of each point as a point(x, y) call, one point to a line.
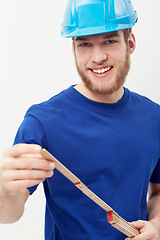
point(106, 98)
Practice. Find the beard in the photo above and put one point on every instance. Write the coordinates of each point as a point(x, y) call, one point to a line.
point(119, 80)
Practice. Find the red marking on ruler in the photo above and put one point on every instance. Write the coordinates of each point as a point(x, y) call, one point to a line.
point(77, 183)
point(110, 216)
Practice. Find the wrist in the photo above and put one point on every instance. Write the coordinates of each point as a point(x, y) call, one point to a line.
point(156, 224)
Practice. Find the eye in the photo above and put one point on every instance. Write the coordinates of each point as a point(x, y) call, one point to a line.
point(110, 42)
point(85, 44)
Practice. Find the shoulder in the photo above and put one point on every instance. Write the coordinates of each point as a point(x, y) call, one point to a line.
point(144, 102)
point(54, 104)
point(37, 118)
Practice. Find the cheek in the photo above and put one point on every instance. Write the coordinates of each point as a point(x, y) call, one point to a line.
point(119, 58)
point(81, 60)
point(117, 54)
point(82, 56)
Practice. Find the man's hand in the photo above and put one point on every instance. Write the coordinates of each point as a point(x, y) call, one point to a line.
point(22, 167)
point(147, 229)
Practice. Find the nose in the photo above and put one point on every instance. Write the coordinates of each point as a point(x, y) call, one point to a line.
point(98, 55)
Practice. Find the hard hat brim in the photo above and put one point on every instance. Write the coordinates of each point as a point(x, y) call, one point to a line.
point(95, 30)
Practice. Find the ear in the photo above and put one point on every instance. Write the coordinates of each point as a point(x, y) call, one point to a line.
point(131, 43)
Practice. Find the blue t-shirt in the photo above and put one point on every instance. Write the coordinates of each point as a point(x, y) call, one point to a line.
point(114, 149)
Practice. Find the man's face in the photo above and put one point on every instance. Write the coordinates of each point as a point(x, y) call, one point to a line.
point(103, 61)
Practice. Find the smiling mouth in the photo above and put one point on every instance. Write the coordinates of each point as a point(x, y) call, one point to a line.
point(102, 70)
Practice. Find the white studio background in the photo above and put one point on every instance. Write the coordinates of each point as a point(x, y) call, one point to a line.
point(35, 63)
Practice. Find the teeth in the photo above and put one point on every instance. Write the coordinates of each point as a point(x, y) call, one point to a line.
point(103, 70)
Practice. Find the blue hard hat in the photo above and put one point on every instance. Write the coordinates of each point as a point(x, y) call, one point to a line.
point(88, 17)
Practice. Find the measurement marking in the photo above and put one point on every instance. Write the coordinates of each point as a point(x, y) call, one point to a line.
point(77, 183)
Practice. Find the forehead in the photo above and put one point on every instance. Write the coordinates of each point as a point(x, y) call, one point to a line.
point(101, 36)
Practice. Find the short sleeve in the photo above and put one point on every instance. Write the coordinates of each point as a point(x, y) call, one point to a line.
point(31, 132)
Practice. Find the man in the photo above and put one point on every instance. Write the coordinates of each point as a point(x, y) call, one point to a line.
point(106, 135)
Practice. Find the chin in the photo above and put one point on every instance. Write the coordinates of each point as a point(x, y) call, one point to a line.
point(103, 89)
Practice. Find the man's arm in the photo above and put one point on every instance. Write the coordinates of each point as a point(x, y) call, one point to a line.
point(154, 206)
point(150, 230)
point(22, 167)
point(12, 205)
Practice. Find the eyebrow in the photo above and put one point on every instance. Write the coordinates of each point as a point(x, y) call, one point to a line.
point(106, 36)
point(112, 34)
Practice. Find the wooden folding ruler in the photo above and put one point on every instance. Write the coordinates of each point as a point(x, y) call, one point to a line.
point(113, 218)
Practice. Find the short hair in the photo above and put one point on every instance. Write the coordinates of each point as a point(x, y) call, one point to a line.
point(126, 33)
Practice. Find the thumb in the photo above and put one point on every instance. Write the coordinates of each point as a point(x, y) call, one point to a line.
point(138, 224)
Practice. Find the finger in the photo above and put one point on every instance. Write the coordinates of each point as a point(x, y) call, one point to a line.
point(17, 185)
point(144, 236)
point(31, 155)
point(28, 163)
point(146, 231)
point(12, 175)
point(19, 149)
point(139, 224)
